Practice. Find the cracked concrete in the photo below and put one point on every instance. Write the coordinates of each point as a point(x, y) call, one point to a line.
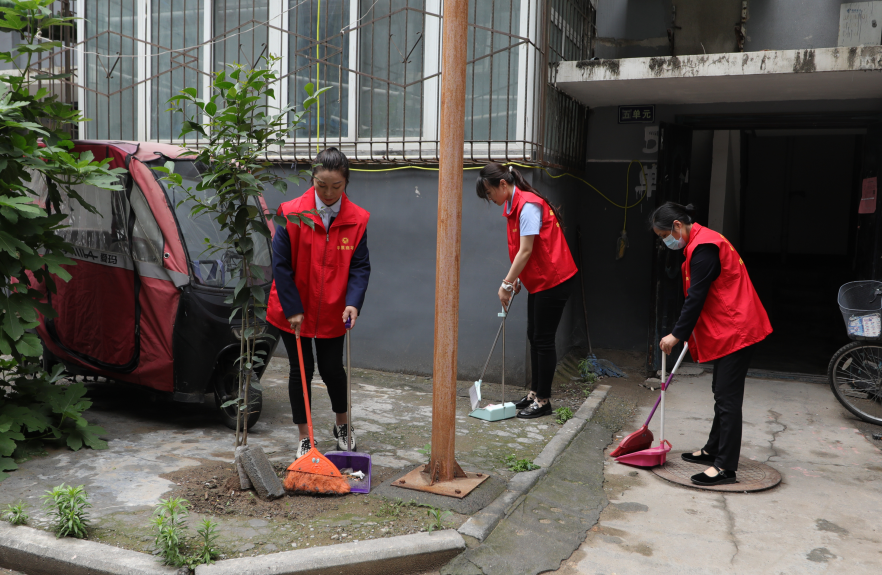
point(821, 519)
point(147, 439)
point(551, 520)
point(730, 524)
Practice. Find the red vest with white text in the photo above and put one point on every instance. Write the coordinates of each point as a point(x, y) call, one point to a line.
point(320, 259)
point(551, 262)
point(733, 316)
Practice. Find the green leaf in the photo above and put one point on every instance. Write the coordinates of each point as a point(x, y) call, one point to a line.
point(242, 283)
point(7, 442)
point(86, 435)
point(7, 464)
point(13, 326)
point(29, 345)
point(68, 400)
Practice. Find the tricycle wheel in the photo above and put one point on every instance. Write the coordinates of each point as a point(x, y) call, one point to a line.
point(225, 389)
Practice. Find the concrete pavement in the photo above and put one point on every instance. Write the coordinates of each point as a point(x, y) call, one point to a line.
point(823, 518)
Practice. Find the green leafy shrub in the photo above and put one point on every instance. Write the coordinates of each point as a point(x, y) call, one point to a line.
point(169, 526)
point(170, 534)
point(519, 465)
point(32, 409)
point(390, 508)
point(436, 517)
point(563, 414)
point(240, 131)
point(208, 535)
point(67, 507)
point(16, 513)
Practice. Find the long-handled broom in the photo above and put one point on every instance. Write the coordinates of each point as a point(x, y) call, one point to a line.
point(313, 472)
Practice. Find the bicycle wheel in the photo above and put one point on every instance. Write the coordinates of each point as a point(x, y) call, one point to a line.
point(855, 374)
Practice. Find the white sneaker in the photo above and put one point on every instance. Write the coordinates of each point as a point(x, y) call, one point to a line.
point(340, 432)
point(303, 448)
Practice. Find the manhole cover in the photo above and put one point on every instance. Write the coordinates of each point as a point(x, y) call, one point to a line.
point(752, 476)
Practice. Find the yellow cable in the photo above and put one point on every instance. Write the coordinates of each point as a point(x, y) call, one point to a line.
point(628, 188)
point(627, 179)
point(318, 103)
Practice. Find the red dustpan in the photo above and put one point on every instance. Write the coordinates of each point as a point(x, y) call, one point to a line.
point(652, 456)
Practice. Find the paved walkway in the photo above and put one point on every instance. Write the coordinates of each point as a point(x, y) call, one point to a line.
point(823, 518)
point(148, 440)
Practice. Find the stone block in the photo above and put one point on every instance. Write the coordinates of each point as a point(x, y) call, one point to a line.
point(261, 473)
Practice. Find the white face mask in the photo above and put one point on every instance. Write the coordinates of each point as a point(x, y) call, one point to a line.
point(673, 243)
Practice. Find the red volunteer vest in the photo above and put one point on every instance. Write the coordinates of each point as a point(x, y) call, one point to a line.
point(551, 262)
point(733, 316)
point(320, 259)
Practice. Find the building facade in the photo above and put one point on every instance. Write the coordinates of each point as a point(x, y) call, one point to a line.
point(767, 116)
point(382, 60)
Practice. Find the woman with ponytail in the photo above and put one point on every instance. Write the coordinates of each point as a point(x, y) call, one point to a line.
point(541, 260)
point(722, 318)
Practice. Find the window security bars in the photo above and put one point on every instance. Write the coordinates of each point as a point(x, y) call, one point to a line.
point(381, 58)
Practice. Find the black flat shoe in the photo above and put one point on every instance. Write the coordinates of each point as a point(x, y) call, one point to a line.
point(703, 458)
point(721, 478)
point(535, 410)
point(523, 403)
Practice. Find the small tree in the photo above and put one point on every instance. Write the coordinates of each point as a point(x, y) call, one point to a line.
point(34, 144)
point(241, 131)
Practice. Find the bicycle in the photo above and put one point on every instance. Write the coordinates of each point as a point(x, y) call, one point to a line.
point(855, 371)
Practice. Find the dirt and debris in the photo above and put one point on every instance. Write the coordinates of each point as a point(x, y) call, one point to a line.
point(256, 526)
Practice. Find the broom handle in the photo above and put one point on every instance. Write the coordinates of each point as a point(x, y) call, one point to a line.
point(498, 331)
point(348, 389)
point(305, 391)
point(503, 352)
point(661, 435)
point(666, 383)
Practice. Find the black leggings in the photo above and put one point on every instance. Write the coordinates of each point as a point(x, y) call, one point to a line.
point(544, 310)
point(330, 366)
point(724, 440)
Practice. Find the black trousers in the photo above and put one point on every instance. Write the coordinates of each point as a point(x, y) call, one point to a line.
point(724, 440)
point(329, 353)
point(544, 310)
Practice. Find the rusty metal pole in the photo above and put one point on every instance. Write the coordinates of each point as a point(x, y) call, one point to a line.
point(442, 465)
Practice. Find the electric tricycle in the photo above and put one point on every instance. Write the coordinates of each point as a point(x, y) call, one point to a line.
point(145, 303)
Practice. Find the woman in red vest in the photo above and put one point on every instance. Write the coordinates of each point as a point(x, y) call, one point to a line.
point(541, 261)
point(320, 279)
point(722, 318)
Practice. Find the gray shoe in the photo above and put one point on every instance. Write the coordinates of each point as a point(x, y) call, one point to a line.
point(340, 432)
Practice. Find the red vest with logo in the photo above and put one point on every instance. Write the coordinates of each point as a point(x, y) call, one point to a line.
point(551, 262)
point(733, 316)
point(320, 259)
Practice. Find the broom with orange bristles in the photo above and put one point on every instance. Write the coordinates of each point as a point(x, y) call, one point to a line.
point(313, 472)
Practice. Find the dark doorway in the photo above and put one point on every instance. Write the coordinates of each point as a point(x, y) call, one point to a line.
point(798, 225)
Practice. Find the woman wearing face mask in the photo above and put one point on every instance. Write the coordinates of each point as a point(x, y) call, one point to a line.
point(541, 259)
point(722, 318)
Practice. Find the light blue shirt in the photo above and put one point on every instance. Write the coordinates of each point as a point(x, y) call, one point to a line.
point(530, 220)
point(327, 212)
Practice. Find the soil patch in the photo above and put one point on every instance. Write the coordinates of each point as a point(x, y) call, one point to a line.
point(250, 526)
point(213, 489)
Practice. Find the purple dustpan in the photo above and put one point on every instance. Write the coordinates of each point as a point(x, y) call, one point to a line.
point(351, 459)
point(357, 462)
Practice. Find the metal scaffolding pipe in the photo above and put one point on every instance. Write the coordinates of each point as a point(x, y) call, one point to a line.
point(442, 465)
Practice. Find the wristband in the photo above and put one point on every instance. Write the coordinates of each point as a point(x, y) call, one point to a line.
point(507, 286)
